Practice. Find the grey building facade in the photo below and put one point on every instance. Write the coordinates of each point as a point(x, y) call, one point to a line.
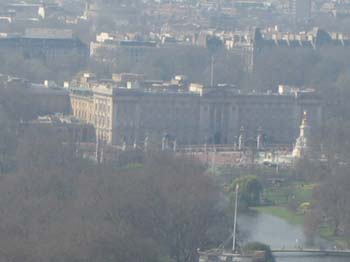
point(215, 115)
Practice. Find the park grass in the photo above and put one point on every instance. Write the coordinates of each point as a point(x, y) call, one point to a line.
point(283, 213)
point(327, 233)
point(303, 192)
point(298, 191)
point(280, 196)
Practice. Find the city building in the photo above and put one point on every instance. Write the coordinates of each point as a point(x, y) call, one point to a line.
point(300, 10)
point(132, 50)
point(248, 44)
point(69, 128)
point(198, 115)
point(42, 99)
point(48, 45)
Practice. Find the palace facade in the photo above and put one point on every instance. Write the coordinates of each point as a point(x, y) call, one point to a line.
point(198, 116)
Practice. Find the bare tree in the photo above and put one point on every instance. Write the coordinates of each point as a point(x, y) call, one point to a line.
point(57, 207)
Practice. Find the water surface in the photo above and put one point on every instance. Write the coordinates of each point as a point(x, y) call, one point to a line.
point(278, 234)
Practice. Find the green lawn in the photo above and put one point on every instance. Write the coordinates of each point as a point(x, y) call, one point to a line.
point(326, 232)
point(280, 196)
point(283, 213)
point(297, 191)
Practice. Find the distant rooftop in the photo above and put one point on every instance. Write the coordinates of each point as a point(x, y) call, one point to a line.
point(56, 119)
point(48, 33)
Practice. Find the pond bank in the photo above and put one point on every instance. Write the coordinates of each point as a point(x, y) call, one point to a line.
point(278, 233)
point(283, 213)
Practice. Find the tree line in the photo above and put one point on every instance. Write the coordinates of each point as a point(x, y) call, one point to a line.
point(56, 206)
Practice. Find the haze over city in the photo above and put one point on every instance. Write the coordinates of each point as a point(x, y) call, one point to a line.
point(174, 130)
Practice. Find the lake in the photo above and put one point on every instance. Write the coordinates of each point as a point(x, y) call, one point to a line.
point(278, 233)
